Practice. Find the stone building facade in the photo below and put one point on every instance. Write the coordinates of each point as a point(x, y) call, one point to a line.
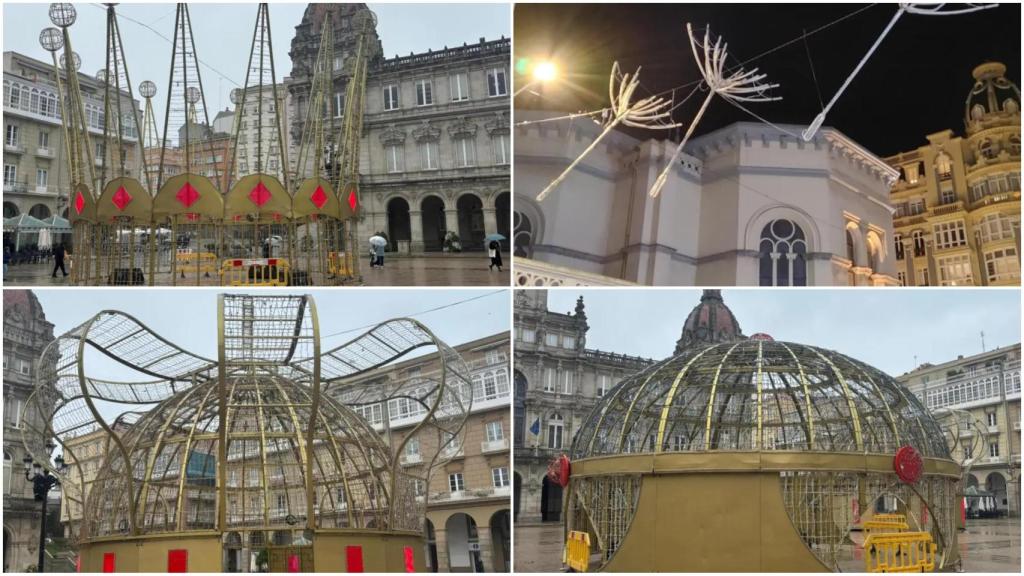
point(957, 220)
point(747, 205)
point(26, 333)
point(468, 526)
point(35, 159)
point(981, 393)
point(557, 381)
point(436, 148)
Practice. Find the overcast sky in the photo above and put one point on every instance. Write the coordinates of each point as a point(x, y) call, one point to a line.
point(884, 328)
point(223, 35)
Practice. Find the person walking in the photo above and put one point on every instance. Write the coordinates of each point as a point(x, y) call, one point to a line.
point(379, 251)
point(494, 250)
point(7, 259)
point(58, 259)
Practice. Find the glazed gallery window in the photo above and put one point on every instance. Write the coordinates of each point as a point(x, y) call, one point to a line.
point(916, 207)
point(391, 97)
point(555, 426)
point(1002, 264)
point(949, 234)
point(10, 174)
point(494, 431)
point(424, 92)
point(947, 196)
point(393, 157)
point(459, 86)
point(783, 254)
point(496, 84)
point(456, 483)
point(551, 340)
point(955, 271)
point(12, 135)
point(428, 155)
point(465, 152)
point(995, 227)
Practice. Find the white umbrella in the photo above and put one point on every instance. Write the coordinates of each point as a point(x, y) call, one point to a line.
point(45, 239)
point(377, 241)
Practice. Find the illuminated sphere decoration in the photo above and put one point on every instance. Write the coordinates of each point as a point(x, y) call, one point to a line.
point(236, 96)
point(192, 95)
point(101, 76)
point(51, 39)
point(76, 61)
point(63, 14)
point(147, 89)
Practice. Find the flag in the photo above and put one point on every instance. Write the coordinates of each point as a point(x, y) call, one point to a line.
point(535, 427)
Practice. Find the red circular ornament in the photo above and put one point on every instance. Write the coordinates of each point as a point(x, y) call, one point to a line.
point(559, 470)
point(908, 464)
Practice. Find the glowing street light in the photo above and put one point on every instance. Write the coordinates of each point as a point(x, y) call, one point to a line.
point(543, 72)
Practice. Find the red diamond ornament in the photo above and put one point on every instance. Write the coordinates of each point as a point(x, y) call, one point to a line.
point(79, 203)
point(352, 199)
point(121, 198)
point(318, 197)
point(259, 195)
point(187, 195)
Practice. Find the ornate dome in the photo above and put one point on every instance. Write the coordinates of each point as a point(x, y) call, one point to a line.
point(992, 95)
point(174, 451)
point(709, 322)
point(759, 395)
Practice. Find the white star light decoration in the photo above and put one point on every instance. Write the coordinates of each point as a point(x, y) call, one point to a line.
point(740, 86)
point(650, 112)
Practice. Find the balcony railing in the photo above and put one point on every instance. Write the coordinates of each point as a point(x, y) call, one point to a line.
point(951, 208)
point(487, 447)
point(529, 272)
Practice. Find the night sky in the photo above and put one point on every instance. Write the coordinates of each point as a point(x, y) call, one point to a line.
point(915, 84)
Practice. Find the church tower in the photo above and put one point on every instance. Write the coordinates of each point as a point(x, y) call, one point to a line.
point(709, 322)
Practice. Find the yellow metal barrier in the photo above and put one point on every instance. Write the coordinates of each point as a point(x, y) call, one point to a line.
point(338, 264)
point(884, 526)
point(255, 272)
point(899, 552)
point(195, 262)
point(890, 518)
point(577, 551)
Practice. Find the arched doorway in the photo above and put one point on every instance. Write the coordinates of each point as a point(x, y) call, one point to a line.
point(39, 211)
point(995, 483)
point(550, 501)
point(502, 212)
point(233, 552)
point(517, 488)
point(471, 222)
point(501, 527)
point(463, 544)
point(10, 210)
point(8, 538)
point(431, 545)
point(399, 230)
point(434, 227)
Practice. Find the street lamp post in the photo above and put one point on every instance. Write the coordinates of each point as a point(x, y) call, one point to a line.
point(42, 483)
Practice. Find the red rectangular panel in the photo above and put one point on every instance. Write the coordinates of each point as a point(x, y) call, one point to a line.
point(293, 563)
point(109, 562)
point(177, 560)
point(354, 557)
point(410, 562)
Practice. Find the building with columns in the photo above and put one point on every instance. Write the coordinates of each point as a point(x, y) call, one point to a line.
point(747, 205)
point(980, 394)
point(468, 520)
point(26, 333)
point(436, 148)
point(957, 199)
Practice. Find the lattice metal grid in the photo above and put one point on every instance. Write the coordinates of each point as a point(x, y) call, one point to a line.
point(604, 506)
point(275, 462)
point(825, 506)
point(759, 395)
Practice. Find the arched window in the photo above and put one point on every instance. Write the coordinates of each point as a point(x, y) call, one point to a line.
point(898, 245)
point(25, 98)
point(34, 102)
point(943, 166)
point(987, 149)
point(555, 428)
point(8, 471)
point(851, 255)
point(1010, 106)
point(522, 234)
point(783, 254)
point(872, 253)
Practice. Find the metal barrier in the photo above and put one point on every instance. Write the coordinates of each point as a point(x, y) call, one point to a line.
point(874, 526)
point(339, 264)
point(890, 518)
point(255, 272)
point(577, 551)
point(195, 262)
point(899, 552)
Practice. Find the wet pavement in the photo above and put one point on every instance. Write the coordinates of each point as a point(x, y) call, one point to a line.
point(447, 270)
point(986, 546)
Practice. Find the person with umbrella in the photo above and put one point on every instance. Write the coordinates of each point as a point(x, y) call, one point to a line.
point(494, 250)
point(377, 244)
